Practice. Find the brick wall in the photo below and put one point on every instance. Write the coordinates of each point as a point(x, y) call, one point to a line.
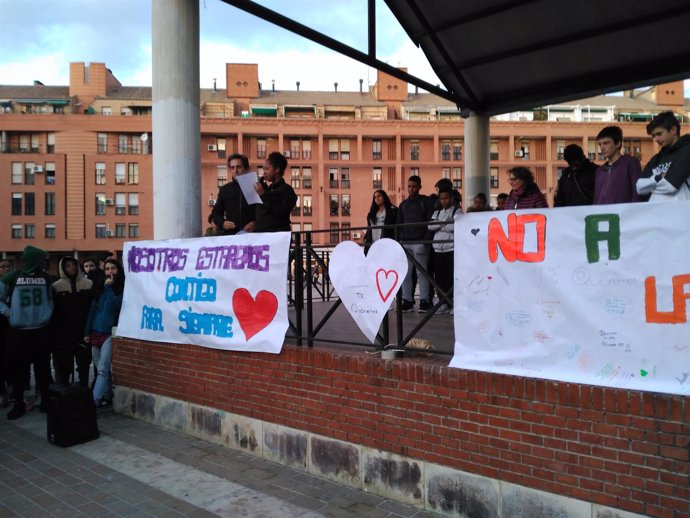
point(623, 449)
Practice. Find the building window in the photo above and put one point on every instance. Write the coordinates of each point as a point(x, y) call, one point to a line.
point(414, 171)
point(24, 143)
point(29, 204)
point(306, 149)
point(29, 175)
point(50, 173)
point(376, 150)
point(16, 204)
point(414, 150)
point(333, 206)
point(333, 177)
point(294, 177)
point(295, 227)
point(122, 144)
point(333, 149)
point(50, 231)
point(524, 147)
point(133, 204)
point(100, 173)
point(126, 111)
point(221, 175)
point(120, 177)
point(345, 205)
point(221, 143)
point(344, 149)
point(29, 231)
point(16, 173)
point(457, 151)
point(17, 231)
point(345, 177)
point(51, 143)
point(296, 210)
point(307, 227)
point(34, 143)
point(345, 234)
point(560, 149)
point(133, 230)
point(294, 149)
point(261, 148)
point(106, 110)
point(493, 151)
point(457, 177)
point(306, 205)
point(333, 234)
point(494, 177)
point(120, 201)
point(120, 230)
point(306, 177)
point(100, 204)
point(445, 150)
point(133, 173)
point(49, 198)
point(445, 172)
point(376, 173)
point(100, 230)
point(102, 142)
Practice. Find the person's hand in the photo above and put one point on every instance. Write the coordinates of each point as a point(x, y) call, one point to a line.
point(259, 188)
point(249, 227)
point(228, 225)
point(87, 339)
point(109, 279)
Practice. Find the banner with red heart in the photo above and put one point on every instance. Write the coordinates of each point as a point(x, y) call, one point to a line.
point(253, 314)
point(367, 285)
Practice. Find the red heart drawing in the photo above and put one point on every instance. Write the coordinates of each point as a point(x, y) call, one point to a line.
point(254, 314)
point(385, 281)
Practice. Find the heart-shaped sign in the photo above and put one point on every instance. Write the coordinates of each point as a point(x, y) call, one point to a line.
point(253, 314)
point(367, 285)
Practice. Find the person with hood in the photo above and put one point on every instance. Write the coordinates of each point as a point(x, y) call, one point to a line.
point(103, 316)
point(667, 175)
point(72, 295)
point(26, 300)
point(576, 184)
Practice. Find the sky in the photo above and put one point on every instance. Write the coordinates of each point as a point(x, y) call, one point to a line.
point(39, 38)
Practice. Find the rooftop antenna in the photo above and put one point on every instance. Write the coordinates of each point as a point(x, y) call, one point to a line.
point(214, 85)
point(361, 81)
point(297, 85)
point(336, 86)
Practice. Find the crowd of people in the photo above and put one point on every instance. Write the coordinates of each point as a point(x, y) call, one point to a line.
point(620, 179)
point(67, 319)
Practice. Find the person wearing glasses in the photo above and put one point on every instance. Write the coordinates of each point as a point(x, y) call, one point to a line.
point(231, 214)
point(524, 192)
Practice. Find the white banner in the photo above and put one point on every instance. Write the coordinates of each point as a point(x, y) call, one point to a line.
point(225, 292)
point(596, 295)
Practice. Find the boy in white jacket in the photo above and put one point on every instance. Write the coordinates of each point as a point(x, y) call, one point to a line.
point(443, 245)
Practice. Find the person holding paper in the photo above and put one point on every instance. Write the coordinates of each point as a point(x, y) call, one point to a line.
point(277, 197)
point(231, 213)
point(667, 175)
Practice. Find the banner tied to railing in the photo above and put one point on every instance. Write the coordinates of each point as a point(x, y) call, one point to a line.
point(597, 295)
point(226, 292)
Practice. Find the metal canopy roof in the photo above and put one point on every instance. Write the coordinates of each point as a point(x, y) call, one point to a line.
point(496, 56)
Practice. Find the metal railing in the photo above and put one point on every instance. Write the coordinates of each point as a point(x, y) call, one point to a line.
point(309, 284)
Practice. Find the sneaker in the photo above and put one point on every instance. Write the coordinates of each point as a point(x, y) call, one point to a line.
point(443, 310)
point(407, 306)
point(424, 306)
point(18, 410)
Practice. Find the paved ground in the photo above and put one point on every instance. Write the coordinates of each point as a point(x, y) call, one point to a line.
point(140, 470)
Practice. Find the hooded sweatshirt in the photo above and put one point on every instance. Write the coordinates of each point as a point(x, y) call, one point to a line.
point(30, 303)
point(72, 299)
point(666, 176)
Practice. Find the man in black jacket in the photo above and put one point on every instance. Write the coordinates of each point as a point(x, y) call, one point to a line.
point(576, 185)
point(231, 214)
point(277, 197)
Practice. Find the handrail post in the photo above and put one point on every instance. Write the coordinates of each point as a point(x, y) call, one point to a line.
point(299, 291)
point(310, 295)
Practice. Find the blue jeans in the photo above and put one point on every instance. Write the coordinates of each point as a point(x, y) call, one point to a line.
point(419, 252)
point(102, 359)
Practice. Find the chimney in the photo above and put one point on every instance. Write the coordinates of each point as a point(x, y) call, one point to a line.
point(297, 83)
point(416, 89)
point(214, 85)
point(273, 86)
point(336, 86)
point(361, 82)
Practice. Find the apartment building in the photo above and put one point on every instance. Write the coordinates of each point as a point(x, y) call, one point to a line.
point(76, 162)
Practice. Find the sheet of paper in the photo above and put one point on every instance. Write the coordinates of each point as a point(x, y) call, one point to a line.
point(247, 182)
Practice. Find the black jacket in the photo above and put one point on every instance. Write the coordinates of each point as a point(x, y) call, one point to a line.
point(390, 219)
point(672, 161)
point(72, 300)
point(415, 210)
point(232, 206)
point(576, 187)
point(273, 215)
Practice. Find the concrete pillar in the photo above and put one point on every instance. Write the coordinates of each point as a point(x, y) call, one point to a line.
point(176, 125)
point(477, 177)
